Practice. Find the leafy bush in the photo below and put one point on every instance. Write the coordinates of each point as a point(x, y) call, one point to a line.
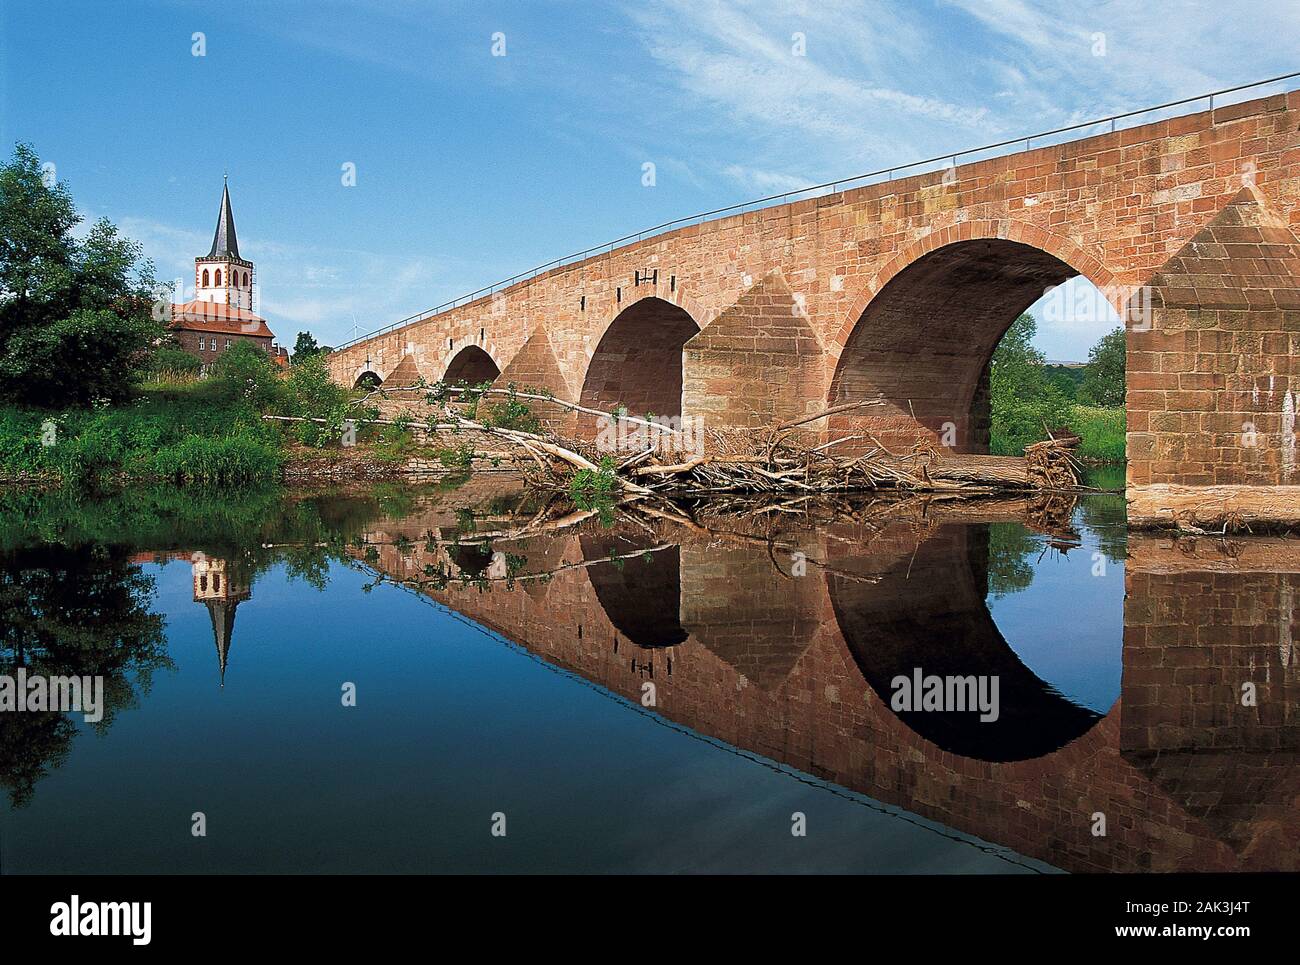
point(594, 489)
point(511, 413)
point(460, 457)
point(168, 363)
point(1020, 422)
point(312, 394)
point(246, 373)
point(395, 443)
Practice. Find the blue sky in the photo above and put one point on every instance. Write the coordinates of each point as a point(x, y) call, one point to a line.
point(472, 167)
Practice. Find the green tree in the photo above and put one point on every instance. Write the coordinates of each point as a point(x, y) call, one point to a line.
point(1066, 382)
point(312, 394)
point(305, 347)
point(75, 320)
point(1103, 378)
point(1024, 403)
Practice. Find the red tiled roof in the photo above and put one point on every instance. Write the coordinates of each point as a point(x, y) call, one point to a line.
point(214, 317)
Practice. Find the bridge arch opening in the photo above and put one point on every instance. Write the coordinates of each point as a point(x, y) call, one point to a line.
point(473, 366)
point(923, 344)
point(638, 362)
point(368, 380)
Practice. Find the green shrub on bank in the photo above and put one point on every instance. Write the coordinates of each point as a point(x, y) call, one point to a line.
point(229, 460)
point(168, 364)
point(188, 433)
point(310, 393)
point(1019, 422)
point(244, 373)
point(395, 443)
point(1101, 432)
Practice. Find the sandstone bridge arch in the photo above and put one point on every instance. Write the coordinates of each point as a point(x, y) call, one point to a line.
point(899, 624)
point(638, 585)
point(638, 361)
point(471, 365)
point(921, 335)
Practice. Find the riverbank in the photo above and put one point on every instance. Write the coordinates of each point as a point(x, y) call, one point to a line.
point(194, 433)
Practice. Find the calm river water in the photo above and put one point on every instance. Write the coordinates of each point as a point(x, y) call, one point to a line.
point(453, 678)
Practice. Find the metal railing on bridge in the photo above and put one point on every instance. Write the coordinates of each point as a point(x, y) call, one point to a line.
point(828, 187)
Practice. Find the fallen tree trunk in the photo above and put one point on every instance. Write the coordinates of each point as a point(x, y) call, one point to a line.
point(1214, 509)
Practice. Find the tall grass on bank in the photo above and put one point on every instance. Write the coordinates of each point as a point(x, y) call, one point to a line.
point(182, 433)
point(1101, 432)
point(227, 460)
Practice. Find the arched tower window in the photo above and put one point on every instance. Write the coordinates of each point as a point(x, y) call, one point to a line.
point(218, 277)
point(245, 279)
point(205, 278)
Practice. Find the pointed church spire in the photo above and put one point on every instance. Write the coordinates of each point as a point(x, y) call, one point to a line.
point(223, 629)
point(224, 242)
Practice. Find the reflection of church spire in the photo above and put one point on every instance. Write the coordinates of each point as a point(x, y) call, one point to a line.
point(221, 587)
point(223, 628)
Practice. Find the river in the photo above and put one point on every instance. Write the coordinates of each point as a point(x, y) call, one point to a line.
point(453, 677)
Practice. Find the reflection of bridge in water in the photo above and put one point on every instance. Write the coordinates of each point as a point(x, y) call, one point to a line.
point(798, 669)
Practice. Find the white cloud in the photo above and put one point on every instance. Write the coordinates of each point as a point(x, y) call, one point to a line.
point(740, 59)
point(767, 182)
point(1063, 57)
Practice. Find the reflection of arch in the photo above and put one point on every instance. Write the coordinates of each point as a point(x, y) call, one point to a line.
point(925, 328)
point(640, 595)
point(472, 366)
point(638, 361)
point(901, 623)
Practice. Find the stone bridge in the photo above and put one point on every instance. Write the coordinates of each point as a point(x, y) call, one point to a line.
point(795, 668)
point(902, 289)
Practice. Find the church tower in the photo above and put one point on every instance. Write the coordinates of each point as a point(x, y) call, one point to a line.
point(221, 276)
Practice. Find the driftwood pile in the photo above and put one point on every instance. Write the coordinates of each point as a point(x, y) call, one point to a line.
point(785, 459)
point(776, 461)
